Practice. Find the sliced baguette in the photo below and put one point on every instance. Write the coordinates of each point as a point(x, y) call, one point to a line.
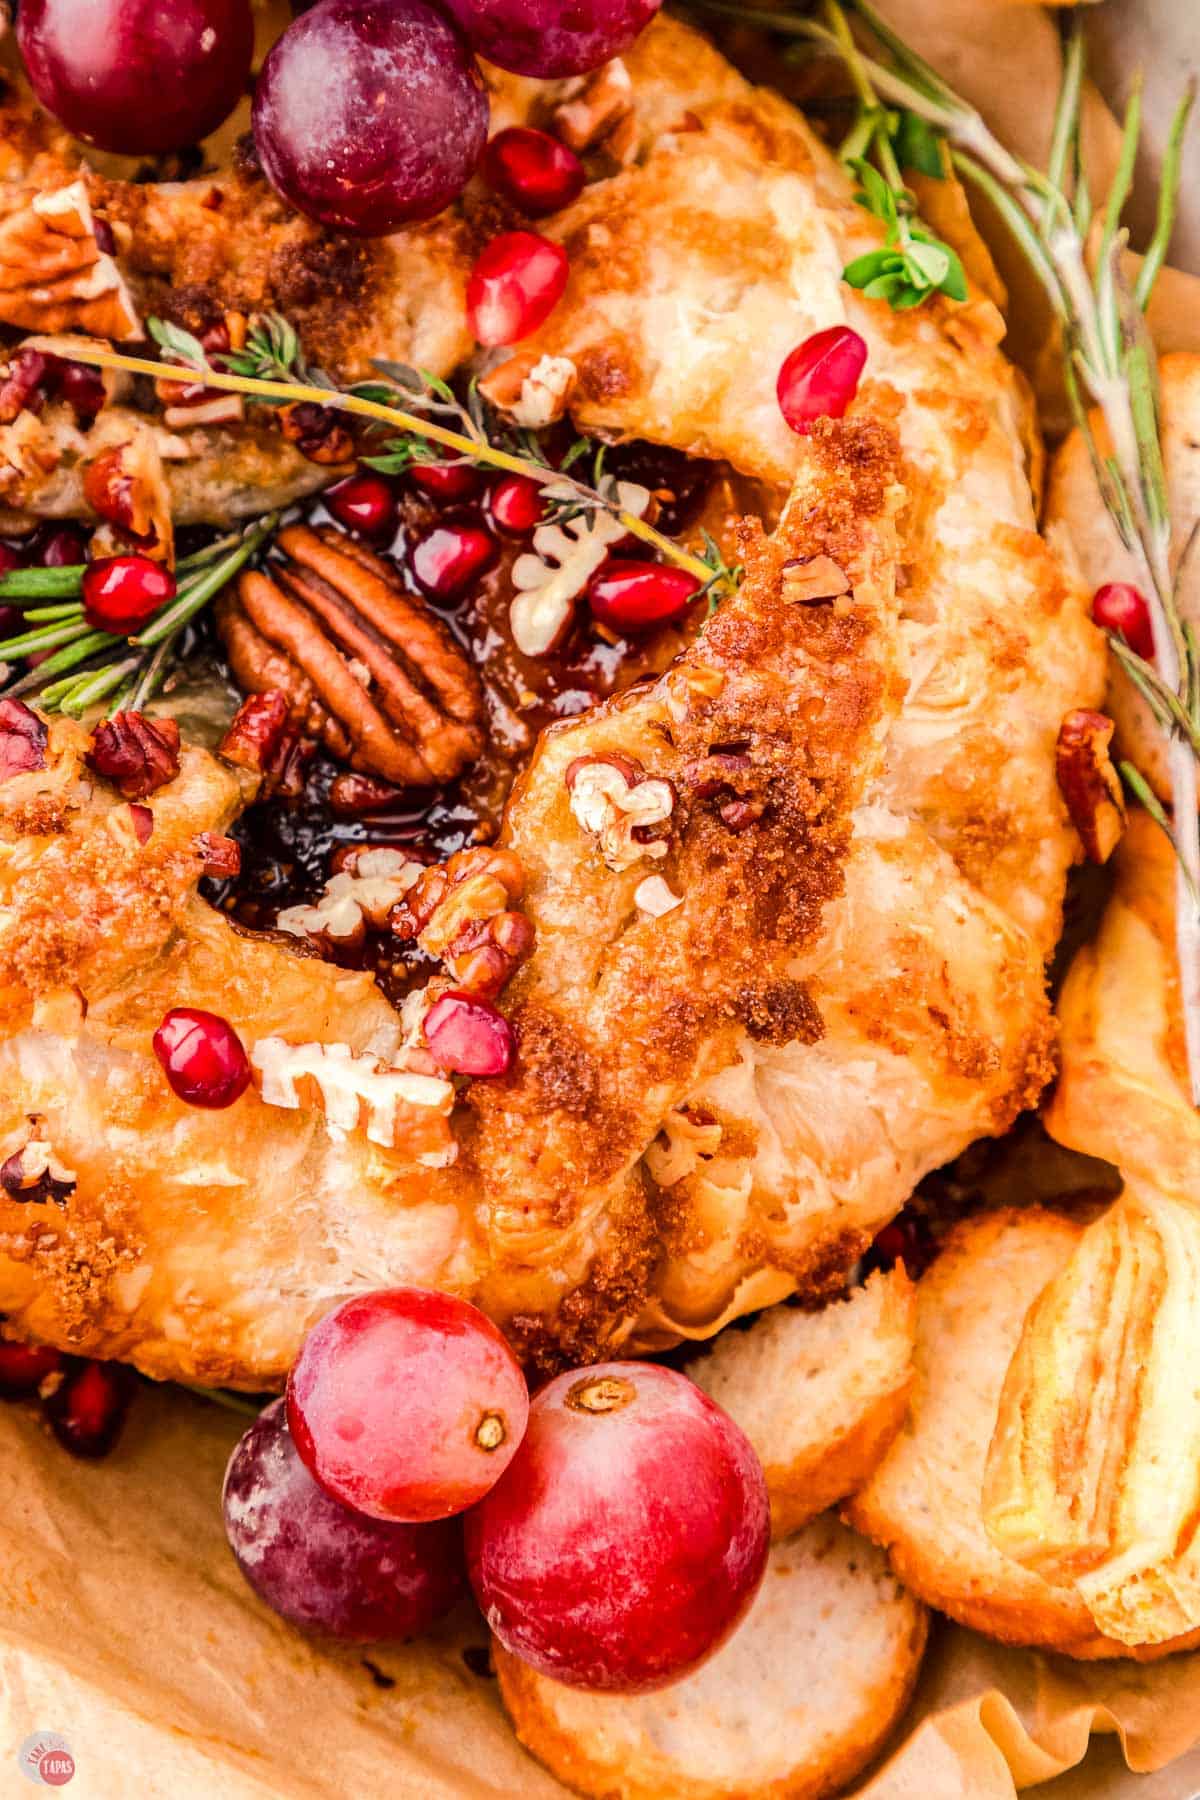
point(821, 1394)
point(801, 1697)
point(924, 1501)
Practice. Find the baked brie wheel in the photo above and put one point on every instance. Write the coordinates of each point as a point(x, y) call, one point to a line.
point(741, 1037)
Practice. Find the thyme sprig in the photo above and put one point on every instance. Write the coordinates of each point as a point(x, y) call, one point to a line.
point(1109, 364)
point(85, 666)
point(416, 418)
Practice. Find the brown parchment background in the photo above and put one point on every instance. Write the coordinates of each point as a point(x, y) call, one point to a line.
point(125, 1625)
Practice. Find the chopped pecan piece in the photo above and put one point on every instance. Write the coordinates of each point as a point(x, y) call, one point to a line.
point(34, 1175)
point(135, 753)
point(314, 625)
point(812, 578)
point(54, 275)
point(261, 737)
point(618, 804)
point(596, 107)
point(1089, 783)
point(317, 432)
point(23, 738)
point(221, 856)
point(462, 911)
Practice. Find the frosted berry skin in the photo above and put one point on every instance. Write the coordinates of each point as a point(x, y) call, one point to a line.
point(546, 37)
point(137, 76)
point(406, 1404)
point(369, 113)
point(629, 1534)
point(321, 1566)
point(202, 1057)
point(819, 379)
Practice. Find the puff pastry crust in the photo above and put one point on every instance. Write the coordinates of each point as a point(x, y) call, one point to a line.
point(851, 990)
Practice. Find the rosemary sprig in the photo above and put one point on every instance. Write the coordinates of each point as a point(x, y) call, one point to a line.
point(88, 666)
point(368, 402)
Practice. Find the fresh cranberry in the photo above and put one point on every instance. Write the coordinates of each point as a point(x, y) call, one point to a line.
point(628, 1535)
point(550, 37)
point(23, 738)
point(202, 1056)
point(515, 505)
point(446, 481)
point(515, 285)
point(467, 1036)
point(24, 1367)
point(364, 503)
point(636, 596)
point(406, 1404)
point(449, 556)
point(1121, 609)
point(533, 170)
point(62, 547)
point(820, 377)
point(87, 1411)
point(321, 1566)
point(122, 593)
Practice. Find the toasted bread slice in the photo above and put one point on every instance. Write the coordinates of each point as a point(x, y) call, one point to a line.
point(800, 1698)
point(820, 1395)
point(924, 1501)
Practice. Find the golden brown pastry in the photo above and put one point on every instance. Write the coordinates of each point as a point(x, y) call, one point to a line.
point(848, 991)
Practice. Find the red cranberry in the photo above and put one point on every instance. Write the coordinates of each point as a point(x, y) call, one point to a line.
point(406, 1404)
point(1121, 609)
point(87, 1412)
point(447, 558)
point(628, 1535)
point(533, 170)
point(62, 547)
point(467, 1036)
point(550, 37)
point(516, 506)
point(24, 1367)
point(202, 1056)
point(820, 377)
point(321, 1566)
point(122, 593)
point(637, 596)
point(22, 739)
point(446, 481)
point(364, 503)
point(515, 285)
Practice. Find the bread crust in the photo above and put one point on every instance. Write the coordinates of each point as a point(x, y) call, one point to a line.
point(849, 1640)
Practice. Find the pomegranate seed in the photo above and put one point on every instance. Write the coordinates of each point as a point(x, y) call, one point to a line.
point(820, 377)
point(24, 1367)
point(61, 548)
point(87, 1411)
point(516, 505)
point(1121, 609)
point(10, 559)
point(467, 1036)
point(446, 481)
point(122, 593)
point(533, 170)
point(202, 1056)
point(636, 596)
point(515, 286)
point(364, 503)
point(143, 823)
point(447, 558)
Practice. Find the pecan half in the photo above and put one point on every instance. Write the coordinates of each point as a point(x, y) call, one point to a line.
point(1089, 783)
point(366, 667)
point(135, 753)
point(55, 275)
point(462, 911)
